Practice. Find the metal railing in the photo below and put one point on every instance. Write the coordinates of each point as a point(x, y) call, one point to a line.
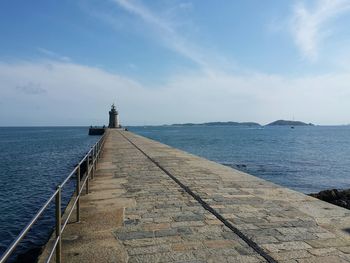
point(90, 160)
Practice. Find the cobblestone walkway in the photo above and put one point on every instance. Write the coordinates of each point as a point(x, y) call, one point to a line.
point(136, 212)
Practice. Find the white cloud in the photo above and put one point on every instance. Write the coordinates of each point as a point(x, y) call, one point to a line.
point(74, 94)
point(31, 88)
point(311, 26)
point(81, 95)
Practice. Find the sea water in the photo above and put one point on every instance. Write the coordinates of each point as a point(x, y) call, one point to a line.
point(33, 161)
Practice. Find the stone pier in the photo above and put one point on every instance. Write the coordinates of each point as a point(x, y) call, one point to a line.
point(153, 203)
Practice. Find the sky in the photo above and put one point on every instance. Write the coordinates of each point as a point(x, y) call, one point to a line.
point(174, 61)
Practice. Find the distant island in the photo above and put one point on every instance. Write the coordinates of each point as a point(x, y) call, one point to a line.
point(219, 123)
point(289, 123)
point(246, 124)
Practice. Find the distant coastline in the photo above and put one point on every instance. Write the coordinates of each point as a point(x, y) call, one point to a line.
point(246, 124)
point(217, 123)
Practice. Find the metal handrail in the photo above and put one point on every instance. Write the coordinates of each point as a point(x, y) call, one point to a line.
point(95, 154)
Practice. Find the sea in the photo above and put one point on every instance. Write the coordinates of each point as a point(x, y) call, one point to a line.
point(33, 161)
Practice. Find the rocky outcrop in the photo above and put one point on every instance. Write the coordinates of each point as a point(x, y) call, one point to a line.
point(334, 196)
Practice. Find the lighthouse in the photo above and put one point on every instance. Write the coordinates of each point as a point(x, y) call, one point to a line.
point(113, 118)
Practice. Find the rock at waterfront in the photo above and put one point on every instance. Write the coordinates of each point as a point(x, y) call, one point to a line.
point(335, 196)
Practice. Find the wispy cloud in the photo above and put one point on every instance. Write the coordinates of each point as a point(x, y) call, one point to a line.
point(166, 32)
point(132, 66)
point(186, 5)
point(310, 26)
point(53, 55)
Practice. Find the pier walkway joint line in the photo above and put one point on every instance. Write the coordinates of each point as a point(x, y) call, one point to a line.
point(153, 203)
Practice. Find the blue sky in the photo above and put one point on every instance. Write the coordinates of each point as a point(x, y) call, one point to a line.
point(64, 62)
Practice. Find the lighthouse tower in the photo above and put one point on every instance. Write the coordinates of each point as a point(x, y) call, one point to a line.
point(113, 118)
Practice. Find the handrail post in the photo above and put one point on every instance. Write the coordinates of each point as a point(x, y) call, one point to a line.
point(58, 225)
point(98, 149)
point(96, 154)
point(94, 160)
point(93, 163)
point(78, 193)
point(87, 173)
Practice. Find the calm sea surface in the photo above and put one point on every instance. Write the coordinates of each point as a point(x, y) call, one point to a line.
point(33, 161)
point(307, 159)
